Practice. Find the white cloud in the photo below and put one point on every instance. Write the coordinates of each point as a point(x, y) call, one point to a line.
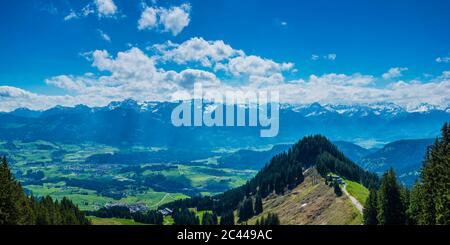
point(173, 19)
point(255, 65)
point(314, 57)
point(13, 92)
point(104, 36)
point(197, 49)
point(218, 56)
point(357, 88)
point(71, 15)
point(149, 19)
point(105, 7)
point(443, 59)
point(394, 72)
point(134, 74)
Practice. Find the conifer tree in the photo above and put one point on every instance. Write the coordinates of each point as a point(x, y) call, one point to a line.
point(370, 209)
point(258, 204)
point(390, 206)
point(227, 218)
point(430, 201)
point(14, 205)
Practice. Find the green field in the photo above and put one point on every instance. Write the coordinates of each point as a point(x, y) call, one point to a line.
point(112, 221)
point(60, 170)
point(358, 191)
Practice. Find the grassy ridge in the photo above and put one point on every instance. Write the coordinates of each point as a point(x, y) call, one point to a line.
point(358, 191)
point(311, 203)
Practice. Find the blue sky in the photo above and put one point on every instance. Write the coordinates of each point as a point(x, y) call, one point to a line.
point(360, 46)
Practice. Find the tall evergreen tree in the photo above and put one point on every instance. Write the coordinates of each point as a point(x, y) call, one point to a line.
point(391, 210)
point(432, 197)
point(209, 219)
point(271, 219)
point(14, 205)
point(246, 210)
point(227, 218)
point(370, 209)
point(415, 204)
point(258, 204)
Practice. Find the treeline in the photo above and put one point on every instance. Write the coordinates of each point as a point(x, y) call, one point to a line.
point(149, 217)
point(18, 209)
point(427, 203)
point(271, 219)
point(282, 173)
point(250, 207)
point(185, 216)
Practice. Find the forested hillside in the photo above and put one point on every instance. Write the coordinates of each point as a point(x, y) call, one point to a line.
point(284, 172)
point(18, 209)
point(427, 203)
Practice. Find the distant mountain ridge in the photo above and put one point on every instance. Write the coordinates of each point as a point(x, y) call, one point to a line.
point(148, 123)
point(405, 156)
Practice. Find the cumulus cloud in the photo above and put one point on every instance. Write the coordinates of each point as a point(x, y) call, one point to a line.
point(135, 74)
point(149, 19)
point(132, 74)
point(357, 88)
point(394, 72)
point(255, 65)
point(173, 19)
point(196, 49)
point(219, 56)
point(105, 7)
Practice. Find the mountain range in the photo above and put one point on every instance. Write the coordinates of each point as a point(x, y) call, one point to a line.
point(129, 122)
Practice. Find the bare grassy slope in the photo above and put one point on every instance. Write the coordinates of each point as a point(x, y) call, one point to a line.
point(311, 203)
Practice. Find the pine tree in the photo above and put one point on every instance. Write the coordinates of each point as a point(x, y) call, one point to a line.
point(258, 204)
point(390, 206)
point(227, 218)
point(246, 210)
point(209, 219)
point(370, 209)
point(415, 204)
point(14, 205)
point(271, 219)
point(431, 198)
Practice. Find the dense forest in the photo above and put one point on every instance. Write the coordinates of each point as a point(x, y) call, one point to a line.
point(282, 173)
point(150, 217)
point(427, 203)
point(18, 209)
